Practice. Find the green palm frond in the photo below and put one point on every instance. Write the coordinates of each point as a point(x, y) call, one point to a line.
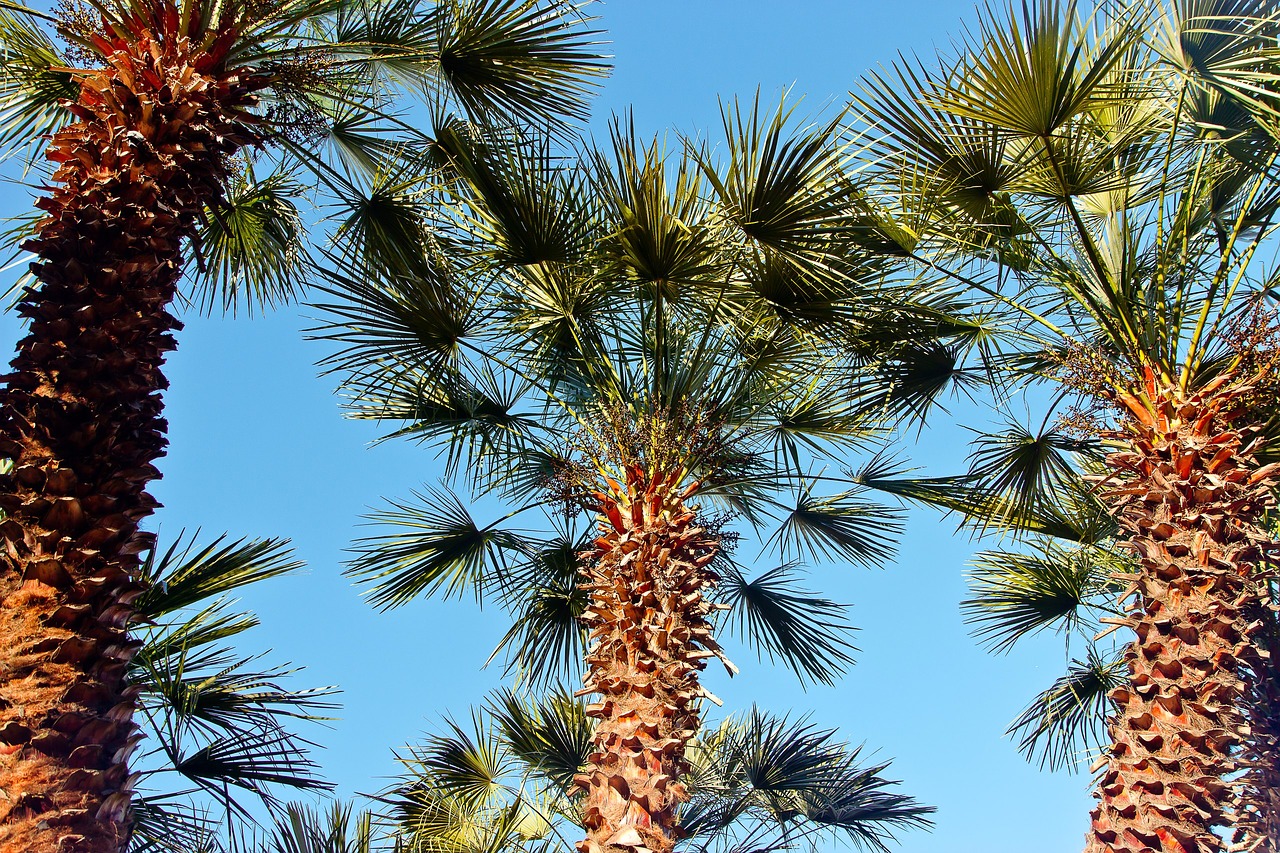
point(1224, 47)
point(166, 828)
point(1022, 471)
point(823, 418)
point(470, 763)
point(33, 83)
point(841, 526)
point(230, 697)
point(546, 640)
point(1014, 594)
point(775, 187)
point(807, 783)
point(250, 759)
point(757, 782)
point(335, 829)
point(781, 620)
point(184, 574)
point(551, 735)
point(1065, 725)
point(528, 204)
point(663, 240)
point(208, 707)
point(438, 549)
point(518, 57)
point(393, 326)
point(917, 375)
point(1033, 72)
point(252, 247)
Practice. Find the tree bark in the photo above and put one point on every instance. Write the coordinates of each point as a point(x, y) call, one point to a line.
point(1188, 494)
point(1256, 815)
point(650, 637)
point(80, 417)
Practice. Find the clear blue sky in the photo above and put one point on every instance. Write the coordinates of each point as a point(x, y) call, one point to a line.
point(259, 449)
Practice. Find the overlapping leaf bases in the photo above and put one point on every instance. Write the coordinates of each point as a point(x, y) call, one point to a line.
point(1106, 179)
point(609, 337)
point(146, 140)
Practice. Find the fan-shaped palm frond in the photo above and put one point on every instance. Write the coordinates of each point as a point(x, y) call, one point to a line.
point(184, 575)
point(34, 82)
point(215, 716)
point(335, 829)
point(758, 782)
point(807, 633)
point(1063, 727)
point(252, 248)
point(839, 526)
point(440, 548)
point(1015, 594)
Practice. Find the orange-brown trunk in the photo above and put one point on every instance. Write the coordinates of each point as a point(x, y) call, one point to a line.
point(1256, 815)
point(80, 416)
point(1188, 494)
point(650, 636)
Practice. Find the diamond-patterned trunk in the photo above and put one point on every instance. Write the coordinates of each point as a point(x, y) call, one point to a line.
point(1188, 494)
point(1256, 816)
point(80, 417)
point(650, 637)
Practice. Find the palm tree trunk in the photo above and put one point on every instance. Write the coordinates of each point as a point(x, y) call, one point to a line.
point(1257, 813)
point(650, 638)
point(80, 417)
point(1189, 495)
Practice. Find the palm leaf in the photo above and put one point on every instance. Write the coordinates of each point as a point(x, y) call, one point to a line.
point(33, 84)
point(184, 574)
point(438, 549)
point(781, 620)
point(1014, 594)
point(551, 735)
point(1066, 722)
point(839, 526)
point(252, 760)
point(252, 248)
point(517, 57)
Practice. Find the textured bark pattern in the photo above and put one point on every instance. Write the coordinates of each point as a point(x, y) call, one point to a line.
point(650, 638)
point(1188, 494)
point(81, 420)
point(1257, 813)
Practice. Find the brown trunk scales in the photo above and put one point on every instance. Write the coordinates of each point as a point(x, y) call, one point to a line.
point(650, 637)
point(1256, 815)
point(1189, 495)
point(80, 417)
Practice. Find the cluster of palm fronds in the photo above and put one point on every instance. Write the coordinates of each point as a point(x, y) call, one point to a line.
point(1073, 198)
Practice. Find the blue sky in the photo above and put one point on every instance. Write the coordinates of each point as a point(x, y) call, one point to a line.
point(259, 449)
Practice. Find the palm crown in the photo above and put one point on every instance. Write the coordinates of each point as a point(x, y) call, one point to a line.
point(1107, 182)
point(618, 332)
point(152, 142)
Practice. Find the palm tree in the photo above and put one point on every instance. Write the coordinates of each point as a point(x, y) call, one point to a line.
point(1065, 571)
point(664, 342)
point(1106, 181)
point(756, 782)
point(144, 141)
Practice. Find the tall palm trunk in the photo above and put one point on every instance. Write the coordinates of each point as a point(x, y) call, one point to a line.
point(1257, 813)
point(650, 637)
point(1189, 495)
point(81, 420)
